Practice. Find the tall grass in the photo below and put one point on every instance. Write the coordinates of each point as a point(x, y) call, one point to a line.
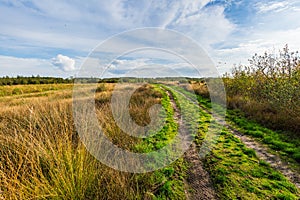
point(42, 157)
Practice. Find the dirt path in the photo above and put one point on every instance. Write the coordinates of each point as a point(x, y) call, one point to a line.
point(262, 151)
point(198, 180)
point(274, 160)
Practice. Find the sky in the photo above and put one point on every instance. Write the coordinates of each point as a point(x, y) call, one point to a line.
point(53, 38)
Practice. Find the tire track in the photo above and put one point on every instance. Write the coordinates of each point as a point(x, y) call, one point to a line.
point(198, 178)
point(261, 150)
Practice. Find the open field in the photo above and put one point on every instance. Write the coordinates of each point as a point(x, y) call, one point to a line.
point(42, 156)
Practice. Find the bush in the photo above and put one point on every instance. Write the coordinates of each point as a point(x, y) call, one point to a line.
point(268, 89)
point(17, 91)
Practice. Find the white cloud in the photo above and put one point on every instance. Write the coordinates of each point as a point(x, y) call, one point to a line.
point(152, 67)
point(274, 25)
point(207, 26)
point(272, 6)
point(64, 63)
point(265, 41)
point(80, 26)
point(13, 66)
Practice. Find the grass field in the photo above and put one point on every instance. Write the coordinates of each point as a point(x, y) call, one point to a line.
point(42, 156)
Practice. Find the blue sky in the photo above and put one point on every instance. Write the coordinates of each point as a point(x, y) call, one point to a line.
point(52, 38)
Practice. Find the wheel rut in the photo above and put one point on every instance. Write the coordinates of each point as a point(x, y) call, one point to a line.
point(198, 183)
point(261, 150)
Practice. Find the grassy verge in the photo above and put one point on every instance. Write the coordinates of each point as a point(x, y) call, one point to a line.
point(167, 133)
point(285, 144)
point(166, 183)
point(238, 174)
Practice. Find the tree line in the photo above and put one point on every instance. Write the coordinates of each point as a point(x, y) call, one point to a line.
point(23, 80)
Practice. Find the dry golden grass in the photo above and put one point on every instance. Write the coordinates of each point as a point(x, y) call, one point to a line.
point(41, 156)
point(22, 90)
point(199, 88)
point(279, 118)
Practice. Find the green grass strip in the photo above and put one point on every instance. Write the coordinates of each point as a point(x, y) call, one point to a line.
point(236, 171)
point(166, 183)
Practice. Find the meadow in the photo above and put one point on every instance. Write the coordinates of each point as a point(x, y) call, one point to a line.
point(43, 157)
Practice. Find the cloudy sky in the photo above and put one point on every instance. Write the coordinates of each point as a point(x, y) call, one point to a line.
point(53, 38)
